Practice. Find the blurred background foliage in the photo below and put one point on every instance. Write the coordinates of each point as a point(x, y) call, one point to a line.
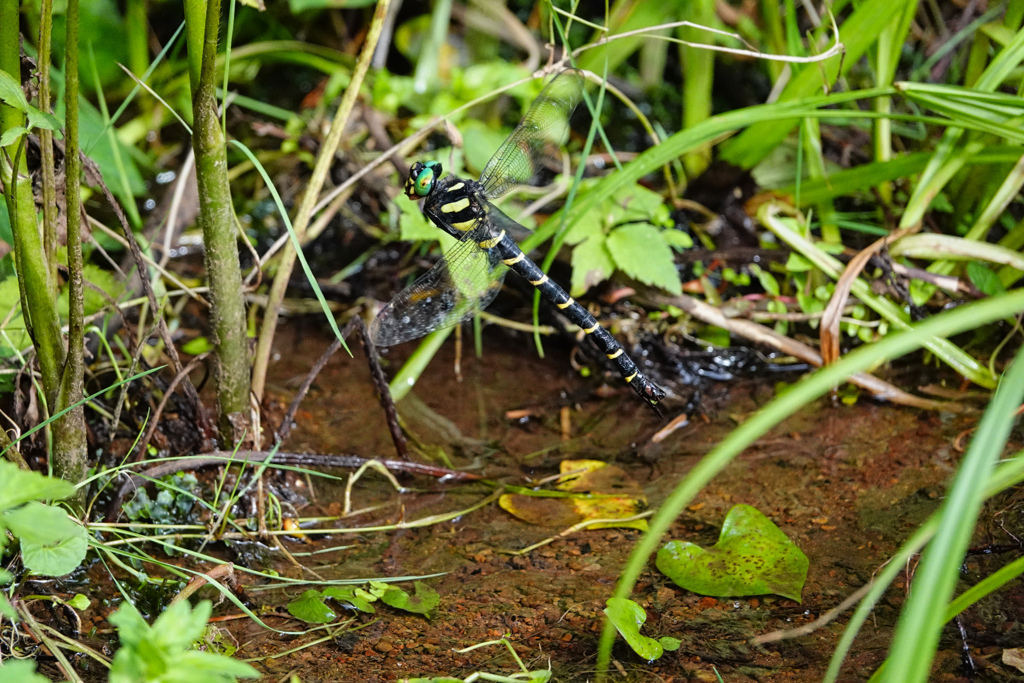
point(855, 168)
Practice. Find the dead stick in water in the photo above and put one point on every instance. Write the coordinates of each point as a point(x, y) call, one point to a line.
point(216, 458)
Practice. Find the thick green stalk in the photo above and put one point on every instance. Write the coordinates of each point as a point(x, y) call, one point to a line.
point(887, 54)
point(33, 270)
point(219, 234)
point(137, 26)
point(69, 444)
point(195, 30)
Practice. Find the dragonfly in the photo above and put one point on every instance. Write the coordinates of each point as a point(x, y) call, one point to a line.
point(469, 276)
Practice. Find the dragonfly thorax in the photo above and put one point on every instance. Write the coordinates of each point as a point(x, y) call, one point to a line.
point(455, 205)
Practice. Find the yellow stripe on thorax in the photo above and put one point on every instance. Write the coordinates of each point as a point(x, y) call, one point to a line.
point(456, 206)
point(464, 226)
point(456, 187)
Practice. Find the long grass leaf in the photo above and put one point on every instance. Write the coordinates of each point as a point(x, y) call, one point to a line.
point(920, 624)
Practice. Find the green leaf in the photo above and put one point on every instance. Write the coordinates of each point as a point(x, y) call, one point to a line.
point(378, 588)
point(669, 643)
point(80, 602)
point(191, 666)
point(984, 279)
point(131, 627)
point(162, 653)
point(19, 486)
point(103, 281)
point(797, 263)
point(11, 93)
point(630, 204)
point(51, 543)
point(20, 670)
point(752, 557)
point(628, 617)
point(15, 336)
point(196, 346)
point(310, 607)
point(677, 239)
point(41, 119)
point(424, 602)
point(6, 608)
point(768, 282)
point(479, 142)
point(591, 264)
point(413, 224)
point(642, 253)
point(12, 135)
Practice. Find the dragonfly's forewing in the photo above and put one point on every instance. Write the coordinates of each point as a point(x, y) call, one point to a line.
point(458, 287)
point(544, 128)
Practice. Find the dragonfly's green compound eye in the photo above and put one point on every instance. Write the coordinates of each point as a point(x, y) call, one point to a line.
point(426, 177)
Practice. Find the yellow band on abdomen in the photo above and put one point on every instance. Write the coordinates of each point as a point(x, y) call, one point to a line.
point(491, 243)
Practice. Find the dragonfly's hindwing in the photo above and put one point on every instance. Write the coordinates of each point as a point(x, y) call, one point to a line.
point(544, 128)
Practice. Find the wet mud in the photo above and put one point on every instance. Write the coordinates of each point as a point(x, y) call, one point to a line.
point(846, 483)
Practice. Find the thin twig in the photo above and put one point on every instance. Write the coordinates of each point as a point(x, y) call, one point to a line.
point(202, 420)
point(825, 619)
point(154, 422)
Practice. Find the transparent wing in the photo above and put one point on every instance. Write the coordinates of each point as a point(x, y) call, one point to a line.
point(459, 286)
point(544, 128)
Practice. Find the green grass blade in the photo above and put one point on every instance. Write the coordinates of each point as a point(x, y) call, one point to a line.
point(950, 353)
point(920, 624)
point(859, 32)
point(295, 242)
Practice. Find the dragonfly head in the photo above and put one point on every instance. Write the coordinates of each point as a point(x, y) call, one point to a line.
point(422, 178)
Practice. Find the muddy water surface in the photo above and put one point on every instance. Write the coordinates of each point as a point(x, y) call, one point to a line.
point(847, 483)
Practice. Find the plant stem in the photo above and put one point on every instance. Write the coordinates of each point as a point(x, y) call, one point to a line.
point(69, 444)
point(34, 280)
point(228, 310)
point(46, 140)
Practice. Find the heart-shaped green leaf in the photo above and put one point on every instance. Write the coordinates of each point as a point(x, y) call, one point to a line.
point(310, 607)
point(51, 543)
point(21, 670)
point(19, 486)
point(424, 602)
point(752, 557)
point(628, 617)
